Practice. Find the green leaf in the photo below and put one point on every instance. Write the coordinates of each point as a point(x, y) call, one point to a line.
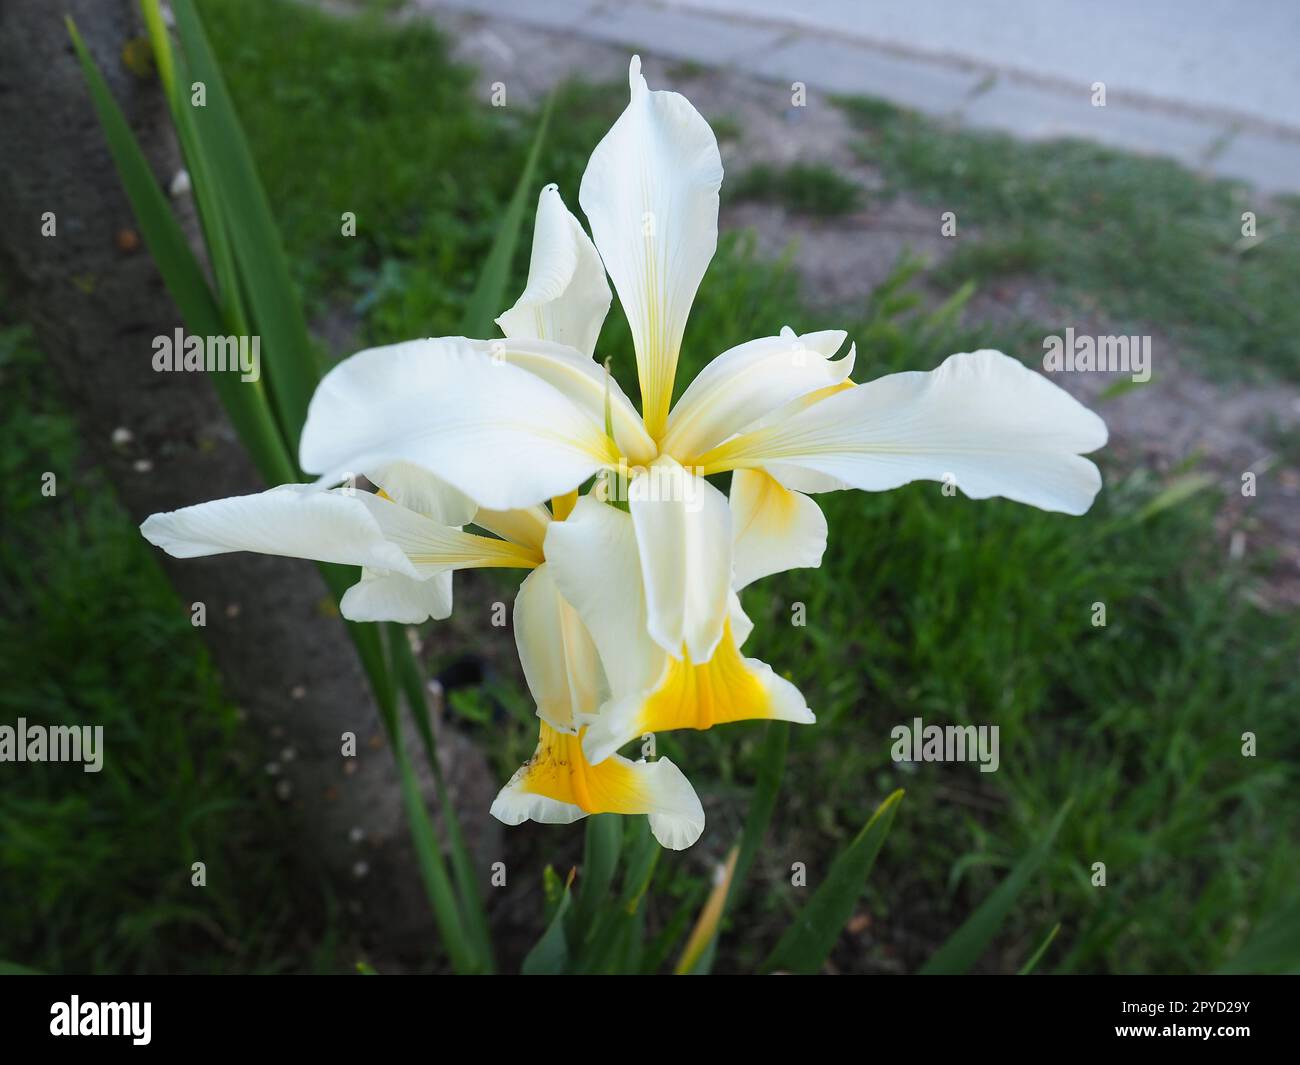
point(471, 901)
point(771, 768)
point(489, 296)
point(599, 862)
point(550, 954)
point(276, 315)
point(808, 941)
point(244, 402)
point(963, 948)
point(1037, 955)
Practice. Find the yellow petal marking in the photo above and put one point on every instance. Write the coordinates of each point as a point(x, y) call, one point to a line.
point(722, 690)
point(559, 771)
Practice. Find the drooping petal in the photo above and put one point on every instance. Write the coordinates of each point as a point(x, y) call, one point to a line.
point(502, 435)
point(566, 297)
point(774, 529)
point(415, 488)
point(597, 569)
point(650, 192)
point(746, 382)
point(432, 548)
point(982, 421)
point(392, 597)
point(558, 786)
point(683, 532)
point(587, 385)
point(726, 688)
point(558, 657)
point(297, 521)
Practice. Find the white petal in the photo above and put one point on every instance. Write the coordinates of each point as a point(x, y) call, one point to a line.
point(683, 532)
point(746, 382)
point(981, 420)
point(499, 434)
point(650, 193)
point(678, 819)
point(593, 557)
point(566, 297)
point(419, 490)
point(558, 657)
point(392, 597)
point(775, 529)
point(297, 521)
point(432, 548)
point(587, 385)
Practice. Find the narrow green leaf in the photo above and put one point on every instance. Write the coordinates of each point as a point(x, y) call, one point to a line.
point(489, 296)
point(288, 359)
point(964, 946)
point(244, 403)
point(771, 768)
point(1037, 955)
point(809, 939)
point(471, 900)
point(604, 841)
point(550, 954)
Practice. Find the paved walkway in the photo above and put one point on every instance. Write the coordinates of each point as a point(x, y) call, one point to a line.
point(1214, 84)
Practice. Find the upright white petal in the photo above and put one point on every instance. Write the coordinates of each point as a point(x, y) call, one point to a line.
point(650, 193)
point(683, 532)
point(296, 521)
point(558, 657)
point(593, 558)
point(775, 529)
point(746, 382)
point(498, 433)
point(566, 297)
point(982, 421)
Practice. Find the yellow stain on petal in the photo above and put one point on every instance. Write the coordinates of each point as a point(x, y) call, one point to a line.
point(721, 690)
point(772, 505)
point(559, 770)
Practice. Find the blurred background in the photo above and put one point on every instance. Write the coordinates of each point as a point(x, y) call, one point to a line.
point(932, 177)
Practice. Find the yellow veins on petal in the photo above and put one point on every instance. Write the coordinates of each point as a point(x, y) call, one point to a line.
point(558, 770)
point(462, 550)
point(759, 445)
point(722, 690)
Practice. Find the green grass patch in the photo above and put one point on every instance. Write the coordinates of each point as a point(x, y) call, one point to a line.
point(1145, 237)
point(804, 188)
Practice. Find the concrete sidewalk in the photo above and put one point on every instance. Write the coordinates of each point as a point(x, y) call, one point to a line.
point(1214, 85)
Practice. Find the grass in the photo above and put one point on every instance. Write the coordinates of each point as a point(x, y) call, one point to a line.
point(804, 188)
point(926, 605)
point(1145, 237)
